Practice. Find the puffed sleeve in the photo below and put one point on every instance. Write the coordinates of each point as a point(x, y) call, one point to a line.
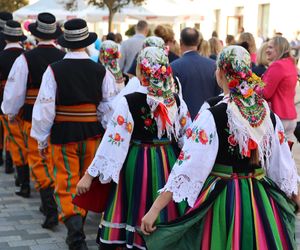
point(282, 168)
point(109, 91)
point(44, 109)
point(195, 161)
point(114, 146)
point(15, 87)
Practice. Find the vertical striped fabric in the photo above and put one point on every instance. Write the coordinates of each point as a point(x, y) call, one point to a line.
point(41, 169)
point(144, 172)
point(13, 132)
point(70, 164)
point(233, 211)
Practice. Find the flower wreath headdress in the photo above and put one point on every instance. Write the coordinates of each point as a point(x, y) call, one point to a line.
point(156, 74)
point(109, 55)
point(248, 113)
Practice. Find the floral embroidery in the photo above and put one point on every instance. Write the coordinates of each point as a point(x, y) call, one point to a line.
point(129, 127)
point(120, 120)
point(281, 137)
point(149, 123)
point(199, 135)
point(183, 121)
point(115, 139)
point(231, 140)
point(182, 157)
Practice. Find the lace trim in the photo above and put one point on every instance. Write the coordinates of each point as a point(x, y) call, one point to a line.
point(183, 188)
point(107, 169)
point(118, 225)
point(288, 186)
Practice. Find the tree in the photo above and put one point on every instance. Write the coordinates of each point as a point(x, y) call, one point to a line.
point(113, 7)
point(12, 5)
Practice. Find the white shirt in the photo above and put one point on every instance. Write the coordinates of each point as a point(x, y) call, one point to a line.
point(13, 45)
point(16, 85)
point(44, 108)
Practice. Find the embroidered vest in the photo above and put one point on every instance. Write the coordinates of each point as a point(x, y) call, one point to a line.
point(38, 60)
point(228, 153)
point(79, 87)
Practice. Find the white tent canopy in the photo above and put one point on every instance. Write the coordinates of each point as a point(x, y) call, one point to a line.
point(56, 7)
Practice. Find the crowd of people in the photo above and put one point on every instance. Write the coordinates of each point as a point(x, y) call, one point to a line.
point(194, 138)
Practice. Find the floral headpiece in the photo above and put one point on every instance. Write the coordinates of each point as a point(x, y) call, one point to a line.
point(248, 113)
point(156, 73)
point(154, 41)
point(109, 53)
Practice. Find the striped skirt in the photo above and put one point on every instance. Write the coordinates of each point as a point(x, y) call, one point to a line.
point(233, 211)
point(144, 172)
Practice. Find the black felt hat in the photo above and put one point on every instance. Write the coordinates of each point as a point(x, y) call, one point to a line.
point(4, 17)
point(45, 27)
point(13, 32)
point(76, 35)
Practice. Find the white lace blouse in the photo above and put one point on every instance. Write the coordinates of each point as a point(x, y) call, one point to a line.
point(115, 143)
point(199, 154)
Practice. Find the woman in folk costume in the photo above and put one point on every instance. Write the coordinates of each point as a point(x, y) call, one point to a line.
point(137, 152)
point(235, 170)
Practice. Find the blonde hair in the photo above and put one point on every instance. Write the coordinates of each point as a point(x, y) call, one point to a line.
point(215, 45)
point(261, 58)
point(282, 47)
point(248, 38)
point(204, 49)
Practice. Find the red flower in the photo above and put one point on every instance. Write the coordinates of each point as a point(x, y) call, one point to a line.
point(233, 83)
point(188, 133)
point(181, 156)
point(169, 70)
point(203, 137)
point(231, 140)
point(117, 137)
point(148, 122)
point(120, 120)
point(159, 92)
point(281, 136)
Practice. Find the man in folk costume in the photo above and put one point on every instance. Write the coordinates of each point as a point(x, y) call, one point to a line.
point(66, 110)
point(21, 91)
point(13, 136)
point(4, 17)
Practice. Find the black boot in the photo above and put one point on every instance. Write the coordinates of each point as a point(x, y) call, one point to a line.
point(17, 181)
point(1, 156)
point(8, 163)
point(76, 236)
point(49, 207)
point(23, 175)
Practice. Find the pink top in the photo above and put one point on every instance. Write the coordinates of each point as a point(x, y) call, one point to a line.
point(280, 89)
point(253, 57)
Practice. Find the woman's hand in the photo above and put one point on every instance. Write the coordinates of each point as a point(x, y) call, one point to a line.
point(148, 221)
point(84, 184)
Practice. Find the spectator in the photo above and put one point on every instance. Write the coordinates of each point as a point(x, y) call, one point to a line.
point(195, 72)
point(204, 49)
point(119, 38)
point(111, 36)
point(215, 47)
point(230, 40)
point(281, 81)
point(133, 45)
point(249, 38)
point(261, 61)
point(167, 34)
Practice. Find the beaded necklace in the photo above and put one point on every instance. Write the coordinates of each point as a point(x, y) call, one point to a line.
point(252, 109)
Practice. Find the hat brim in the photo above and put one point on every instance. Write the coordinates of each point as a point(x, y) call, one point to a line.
point(33, 30)
point(14, 38)
point(76, 45)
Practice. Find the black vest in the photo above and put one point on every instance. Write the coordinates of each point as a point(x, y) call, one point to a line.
point(214, 100)
point(145, 128)
point(7, 59)
point(227, 153)
point(38, 60)
point(79, 81)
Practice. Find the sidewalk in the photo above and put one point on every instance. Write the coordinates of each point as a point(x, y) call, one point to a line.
point(20, 222)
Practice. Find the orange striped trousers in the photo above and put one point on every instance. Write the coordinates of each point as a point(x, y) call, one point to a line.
point(15, 140)
point(70, 164)
point(41, 169)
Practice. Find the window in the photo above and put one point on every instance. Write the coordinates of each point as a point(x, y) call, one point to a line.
point(263, 20)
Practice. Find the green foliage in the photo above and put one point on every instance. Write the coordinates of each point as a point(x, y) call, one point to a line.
point(12, 5)
point(114, 5)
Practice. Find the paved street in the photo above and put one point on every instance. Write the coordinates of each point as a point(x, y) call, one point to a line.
point(20, 219)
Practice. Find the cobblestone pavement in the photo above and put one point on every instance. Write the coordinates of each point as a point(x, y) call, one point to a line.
point(20, 219)
point(20, 222)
